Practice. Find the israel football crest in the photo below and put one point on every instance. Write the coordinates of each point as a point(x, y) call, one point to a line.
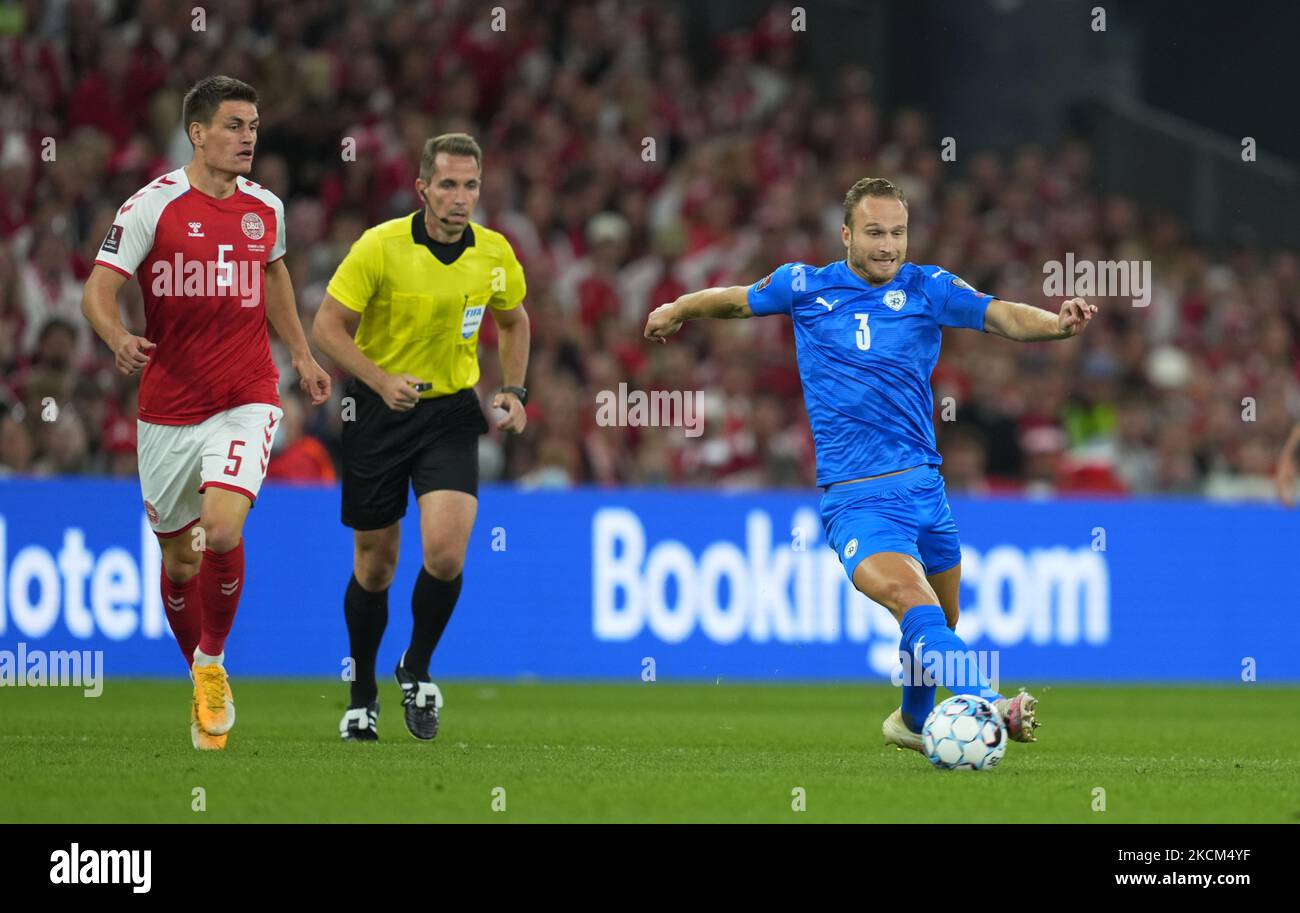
point(895, 299)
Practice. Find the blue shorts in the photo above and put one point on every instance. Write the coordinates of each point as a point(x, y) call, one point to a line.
point(907, 513)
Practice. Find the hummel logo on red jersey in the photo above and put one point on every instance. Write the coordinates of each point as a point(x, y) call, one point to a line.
point(196, 230)
point(228, 588)
point(176, 603)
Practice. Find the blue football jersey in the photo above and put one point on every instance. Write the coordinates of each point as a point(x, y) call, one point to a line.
point(865, 357)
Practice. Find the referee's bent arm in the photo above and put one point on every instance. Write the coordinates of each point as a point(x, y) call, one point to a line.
point(512, 347)
point(334, 330)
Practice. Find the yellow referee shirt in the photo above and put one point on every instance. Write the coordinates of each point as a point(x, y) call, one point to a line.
point(421, 303)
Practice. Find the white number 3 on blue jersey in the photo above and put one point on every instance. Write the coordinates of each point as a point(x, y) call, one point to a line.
point(864, 332)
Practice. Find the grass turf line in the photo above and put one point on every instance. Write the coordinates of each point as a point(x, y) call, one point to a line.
point(645, 752)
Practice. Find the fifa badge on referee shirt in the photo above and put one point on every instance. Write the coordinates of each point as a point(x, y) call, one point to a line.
point(470, 321)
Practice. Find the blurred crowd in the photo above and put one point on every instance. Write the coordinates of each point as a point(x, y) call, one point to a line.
point(627, 163)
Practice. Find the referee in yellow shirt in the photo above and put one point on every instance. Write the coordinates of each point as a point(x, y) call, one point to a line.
point(402, 315)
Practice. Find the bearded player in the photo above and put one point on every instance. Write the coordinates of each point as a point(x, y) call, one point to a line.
point(207, 245)
point(867, 333)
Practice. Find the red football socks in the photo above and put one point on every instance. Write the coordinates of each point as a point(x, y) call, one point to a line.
point(221, 581)
point(184, 611)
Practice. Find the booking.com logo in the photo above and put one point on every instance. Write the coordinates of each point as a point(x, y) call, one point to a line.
point(776, 592)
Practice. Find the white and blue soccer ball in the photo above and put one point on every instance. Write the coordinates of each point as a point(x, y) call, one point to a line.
point(964, 733)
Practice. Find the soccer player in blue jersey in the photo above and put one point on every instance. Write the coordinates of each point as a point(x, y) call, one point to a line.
point(867, 331)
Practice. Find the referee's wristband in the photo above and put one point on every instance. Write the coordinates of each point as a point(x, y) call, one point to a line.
point(520, 392)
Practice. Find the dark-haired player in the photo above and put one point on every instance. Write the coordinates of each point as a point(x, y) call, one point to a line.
point(206, 246)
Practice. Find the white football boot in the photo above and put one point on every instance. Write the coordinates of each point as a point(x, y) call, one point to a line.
point(897, 733)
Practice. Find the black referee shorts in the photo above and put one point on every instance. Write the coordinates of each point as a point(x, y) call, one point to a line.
point(433, 446)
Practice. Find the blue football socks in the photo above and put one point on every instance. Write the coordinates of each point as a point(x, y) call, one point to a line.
point(932, 654)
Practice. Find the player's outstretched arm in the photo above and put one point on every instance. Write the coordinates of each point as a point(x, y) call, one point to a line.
point(282, 311)
point(1026, 323)
point(725, 303)
point(99, 304)
point(1284, 477)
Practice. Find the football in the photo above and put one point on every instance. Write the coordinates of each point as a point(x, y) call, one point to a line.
point(964, 733)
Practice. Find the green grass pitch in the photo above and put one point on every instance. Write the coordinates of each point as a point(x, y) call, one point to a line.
point(645, 752)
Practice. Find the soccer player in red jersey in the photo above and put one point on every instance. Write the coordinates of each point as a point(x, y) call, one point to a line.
point(207, 246)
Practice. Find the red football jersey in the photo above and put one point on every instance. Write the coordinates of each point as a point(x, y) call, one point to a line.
point(200, 263)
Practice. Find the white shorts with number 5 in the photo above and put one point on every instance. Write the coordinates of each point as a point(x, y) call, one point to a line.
point(178, 462)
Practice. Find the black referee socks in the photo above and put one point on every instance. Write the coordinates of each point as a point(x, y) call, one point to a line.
point(367, 616)
point(432, 602)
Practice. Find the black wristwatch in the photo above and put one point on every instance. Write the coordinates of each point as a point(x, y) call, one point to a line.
point(521, 392)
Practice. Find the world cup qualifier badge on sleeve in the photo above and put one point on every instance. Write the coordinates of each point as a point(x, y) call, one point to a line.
point(113, 240)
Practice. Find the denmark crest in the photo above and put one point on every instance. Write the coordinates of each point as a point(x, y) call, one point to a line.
point(252, 225)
